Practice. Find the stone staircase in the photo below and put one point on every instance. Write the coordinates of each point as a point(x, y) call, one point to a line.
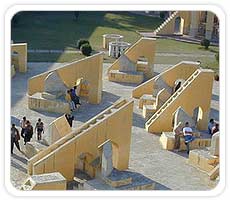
point(171, 100)
point(64, 140)
point(165, 23)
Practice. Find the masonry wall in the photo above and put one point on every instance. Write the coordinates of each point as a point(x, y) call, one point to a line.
point(143, 47)
point(58, 128)
point(181, 70)
point(115, 124)
point(21, 49)
point(90, 68)
point(198, 93)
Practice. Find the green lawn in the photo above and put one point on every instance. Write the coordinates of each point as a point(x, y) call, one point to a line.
point(59, 30)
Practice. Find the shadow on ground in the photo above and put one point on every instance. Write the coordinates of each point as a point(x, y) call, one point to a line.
point(138, 120)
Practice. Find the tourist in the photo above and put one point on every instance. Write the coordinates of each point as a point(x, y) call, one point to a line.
point(74, 97)
point(215, 129)
point(15, 137)
point(188, 136)
point(211, 124)
point(40, 128)
point(28, 132)
point(23, 125)
point(69, 117)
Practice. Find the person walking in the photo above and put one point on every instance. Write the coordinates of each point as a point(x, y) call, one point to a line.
point(28, 132)
point(23, 125)
point(40, 128)
point(15, 137)
point(188, 136)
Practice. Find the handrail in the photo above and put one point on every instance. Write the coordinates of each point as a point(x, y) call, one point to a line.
point(174, 96)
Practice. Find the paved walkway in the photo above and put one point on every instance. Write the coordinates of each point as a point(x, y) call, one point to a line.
point(168, 169)
point(158, 54)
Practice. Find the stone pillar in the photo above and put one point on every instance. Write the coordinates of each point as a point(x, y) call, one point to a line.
point(106, 159)
point(215, 144)
point(209, 25)
point(194, 23)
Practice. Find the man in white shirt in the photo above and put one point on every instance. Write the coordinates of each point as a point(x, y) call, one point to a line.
point(188, 135)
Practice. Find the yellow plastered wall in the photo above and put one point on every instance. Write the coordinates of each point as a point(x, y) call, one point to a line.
point(169, 27)
point(59, 128)
point(115, 123)
point(89, 68)
point(21, 49)
point(196, 93)
point(181, 70)
point(143, 47)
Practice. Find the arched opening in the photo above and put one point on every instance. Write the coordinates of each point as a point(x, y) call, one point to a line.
point(197, 115)
point(179, 26)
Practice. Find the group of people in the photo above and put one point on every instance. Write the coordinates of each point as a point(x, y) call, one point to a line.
point(213, 127)
point(26, 132)
point(73, 98)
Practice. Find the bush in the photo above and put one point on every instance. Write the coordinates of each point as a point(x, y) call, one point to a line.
point(217, 56)
point(205, 42)
point(86, 49)
point(80, 42)
point(162, 15)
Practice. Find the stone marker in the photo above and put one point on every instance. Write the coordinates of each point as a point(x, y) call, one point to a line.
point(32, 148)
point(48, 181)
point(215, 144)
point(106, 159)
point(53, 84)
point(126, 64)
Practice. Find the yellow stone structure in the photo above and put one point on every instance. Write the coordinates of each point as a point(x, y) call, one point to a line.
point(107, 38)
point(202, 159)
point(79, 149)
point(192, 23)
point(159, 99)
point(87, 72)
point(167, 140)
point(18, 58)
point(193, 95)
point(135, 64)
point(48, 181)
point(57, 129)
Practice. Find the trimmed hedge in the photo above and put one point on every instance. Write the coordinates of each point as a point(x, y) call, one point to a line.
point(86, 49)
point(205, 42)
point(80, 42)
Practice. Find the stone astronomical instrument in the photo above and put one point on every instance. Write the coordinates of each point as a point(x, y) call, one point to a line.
point(117, 48)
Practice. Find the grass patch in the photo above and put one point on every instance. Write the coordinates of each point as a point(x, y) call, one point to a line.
point(59, 30)
point(54, 57)
point(172, 46)
point(206, 62)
